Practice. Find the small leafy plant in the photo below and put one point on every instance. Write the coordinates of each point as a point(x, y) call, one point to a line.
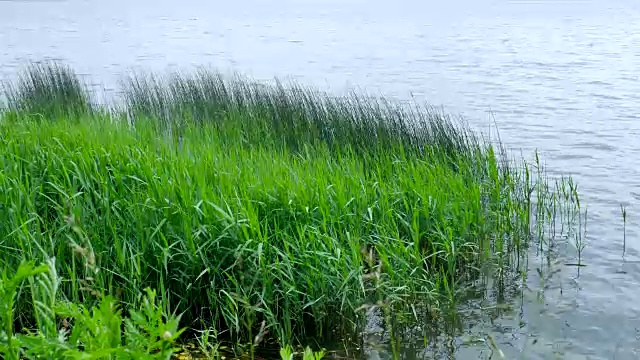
point(100, 332)
point(286, 353)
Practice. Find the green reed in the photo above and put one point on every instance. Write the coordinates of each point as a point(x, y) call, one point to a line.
point(47, 89)
point(263, 211)
point(623, 212)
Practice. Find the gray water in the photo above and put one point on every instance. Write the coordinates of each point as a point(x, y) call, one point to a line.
point(557, 76)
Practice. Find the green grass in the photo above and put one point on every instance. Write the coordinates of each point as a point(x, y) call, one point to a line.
point(263, 212)
point(47, 89)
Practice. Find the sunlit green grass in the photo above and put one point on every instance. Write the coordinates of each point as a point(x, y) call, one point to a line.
point(259, 211)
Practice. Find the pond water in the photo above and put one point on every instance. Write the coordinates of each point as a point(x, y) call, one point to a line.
point(558, 76)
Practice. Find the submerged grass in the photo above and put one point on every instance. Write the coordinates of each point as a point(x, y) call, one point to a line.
point(263, 212)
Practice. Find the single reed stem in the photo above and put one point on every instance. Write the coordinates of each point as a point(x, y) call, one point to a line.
point(623, 210)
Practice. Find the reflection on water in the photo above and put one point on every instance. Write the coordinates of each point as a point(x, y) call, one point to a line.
point(559, 76)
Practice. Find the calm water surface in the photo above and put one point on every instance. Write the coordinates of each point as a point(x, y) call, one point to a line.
point(558, 76)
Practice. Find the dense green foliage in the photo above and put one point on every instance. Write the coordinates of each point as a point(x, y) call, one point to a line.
point(252, 208)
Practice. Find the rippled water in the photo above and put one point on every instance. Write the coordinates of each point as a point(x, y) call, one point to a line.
point(559, 76)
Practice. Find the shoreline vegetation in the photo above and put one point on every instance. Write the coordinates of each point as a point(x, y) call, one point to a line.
point(260, 216)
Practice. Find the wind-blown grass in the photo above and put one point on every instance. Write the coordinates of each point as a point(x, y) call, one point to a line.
point(49, 90)
point(293, 116)
point(279, 213)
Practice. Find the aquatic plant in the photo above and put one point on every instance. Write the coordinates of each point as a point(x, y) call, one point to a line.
point(99, 332)
point(47, 89)
point(623, 212)
point(259, 210)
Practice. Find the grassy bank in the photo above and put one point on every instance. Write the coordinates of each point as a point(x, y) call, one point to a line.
point(262, 213)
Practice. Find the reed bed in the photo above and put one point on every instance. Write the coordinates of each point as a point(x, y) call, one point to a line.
point(260, 211)
point(47, 89)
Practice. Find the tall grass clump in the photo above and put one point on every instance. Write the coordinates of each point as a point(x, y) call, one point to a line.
point(280, 213)
point(293, 116)
point(49, 90)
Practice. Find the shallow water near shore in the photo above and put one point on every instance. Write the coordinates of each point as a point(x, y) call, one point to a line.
point(560, 77)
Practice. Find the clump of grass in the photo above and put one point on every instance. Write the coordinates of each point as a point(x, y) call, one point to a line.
point(49, 90)
point(280, 209)
point(293, 115)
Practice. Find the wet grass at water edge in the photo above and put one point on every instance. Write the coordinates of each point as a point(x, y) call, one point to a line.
point(262, 214)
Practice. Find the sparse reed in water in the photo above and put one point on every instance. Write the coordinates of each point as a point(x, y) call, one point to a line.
point(623, 212)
